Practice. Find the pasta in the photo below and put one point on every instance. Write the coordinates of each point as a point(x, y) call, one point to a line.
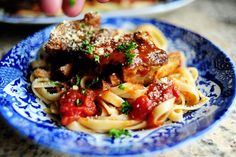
point(90, 101)
point(158, 38)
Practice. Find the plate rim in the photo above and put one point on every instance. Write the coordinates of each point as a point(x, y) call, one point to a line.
point(155, 9)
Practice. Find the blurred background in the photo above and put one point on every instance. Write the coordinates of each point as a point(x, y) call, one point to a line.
point(29, 8)
point(214, 19)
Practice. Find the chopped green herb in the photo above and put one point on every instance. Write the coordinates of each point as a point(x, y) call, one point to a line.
point(83, 91)
point(89, 32)
point(82, 25)
point(116, 133)
point(78, 102)
point(72, 3)
point(88, 47)
point(78, 79)
point(121, 86)
point(96, 80)
point(97, 59)
point(106, 55)
point(121, 47)
point(55, 83)
point(127, 48)
point(129, 57)
point(126, 107)
point(85, 42)
point(132, 46)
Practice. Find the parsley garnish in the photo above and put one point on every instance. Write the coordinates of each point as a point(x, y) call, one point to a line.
point(129, 57)
point(78, 79)
point(88, 33)
point(96, 80)
point(88, 47)
point(122, 47)
point(78, 102)
point(106, 55)
point(72, 3)
point(121, 86)
point(83, 91)
point(82, 25)
point(126, 108)
point(127, 48)
point(55, 83)
point(116, 133)
point(97, 59)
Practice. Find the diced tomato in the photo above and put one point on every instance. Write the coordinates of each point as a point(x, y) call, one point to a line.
point(160, 91)
point(141, 107)
point(71, 109)
point(157, 93)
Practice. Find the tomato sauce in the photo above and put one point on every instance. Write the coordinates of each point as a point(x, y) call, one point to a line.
point(157, 93)
point(141, 107)
point(74, 105)
point(162, 91)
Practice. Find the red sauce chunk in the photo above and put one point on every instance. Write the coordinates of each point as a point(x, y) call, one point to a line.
point(162, 90)
point(74, 105)
point(157, 93)
point(141, 107)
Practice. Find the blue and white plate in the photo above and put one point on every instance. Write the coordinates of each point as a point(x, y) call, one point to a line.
point(159, 7)
point(25, 113)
